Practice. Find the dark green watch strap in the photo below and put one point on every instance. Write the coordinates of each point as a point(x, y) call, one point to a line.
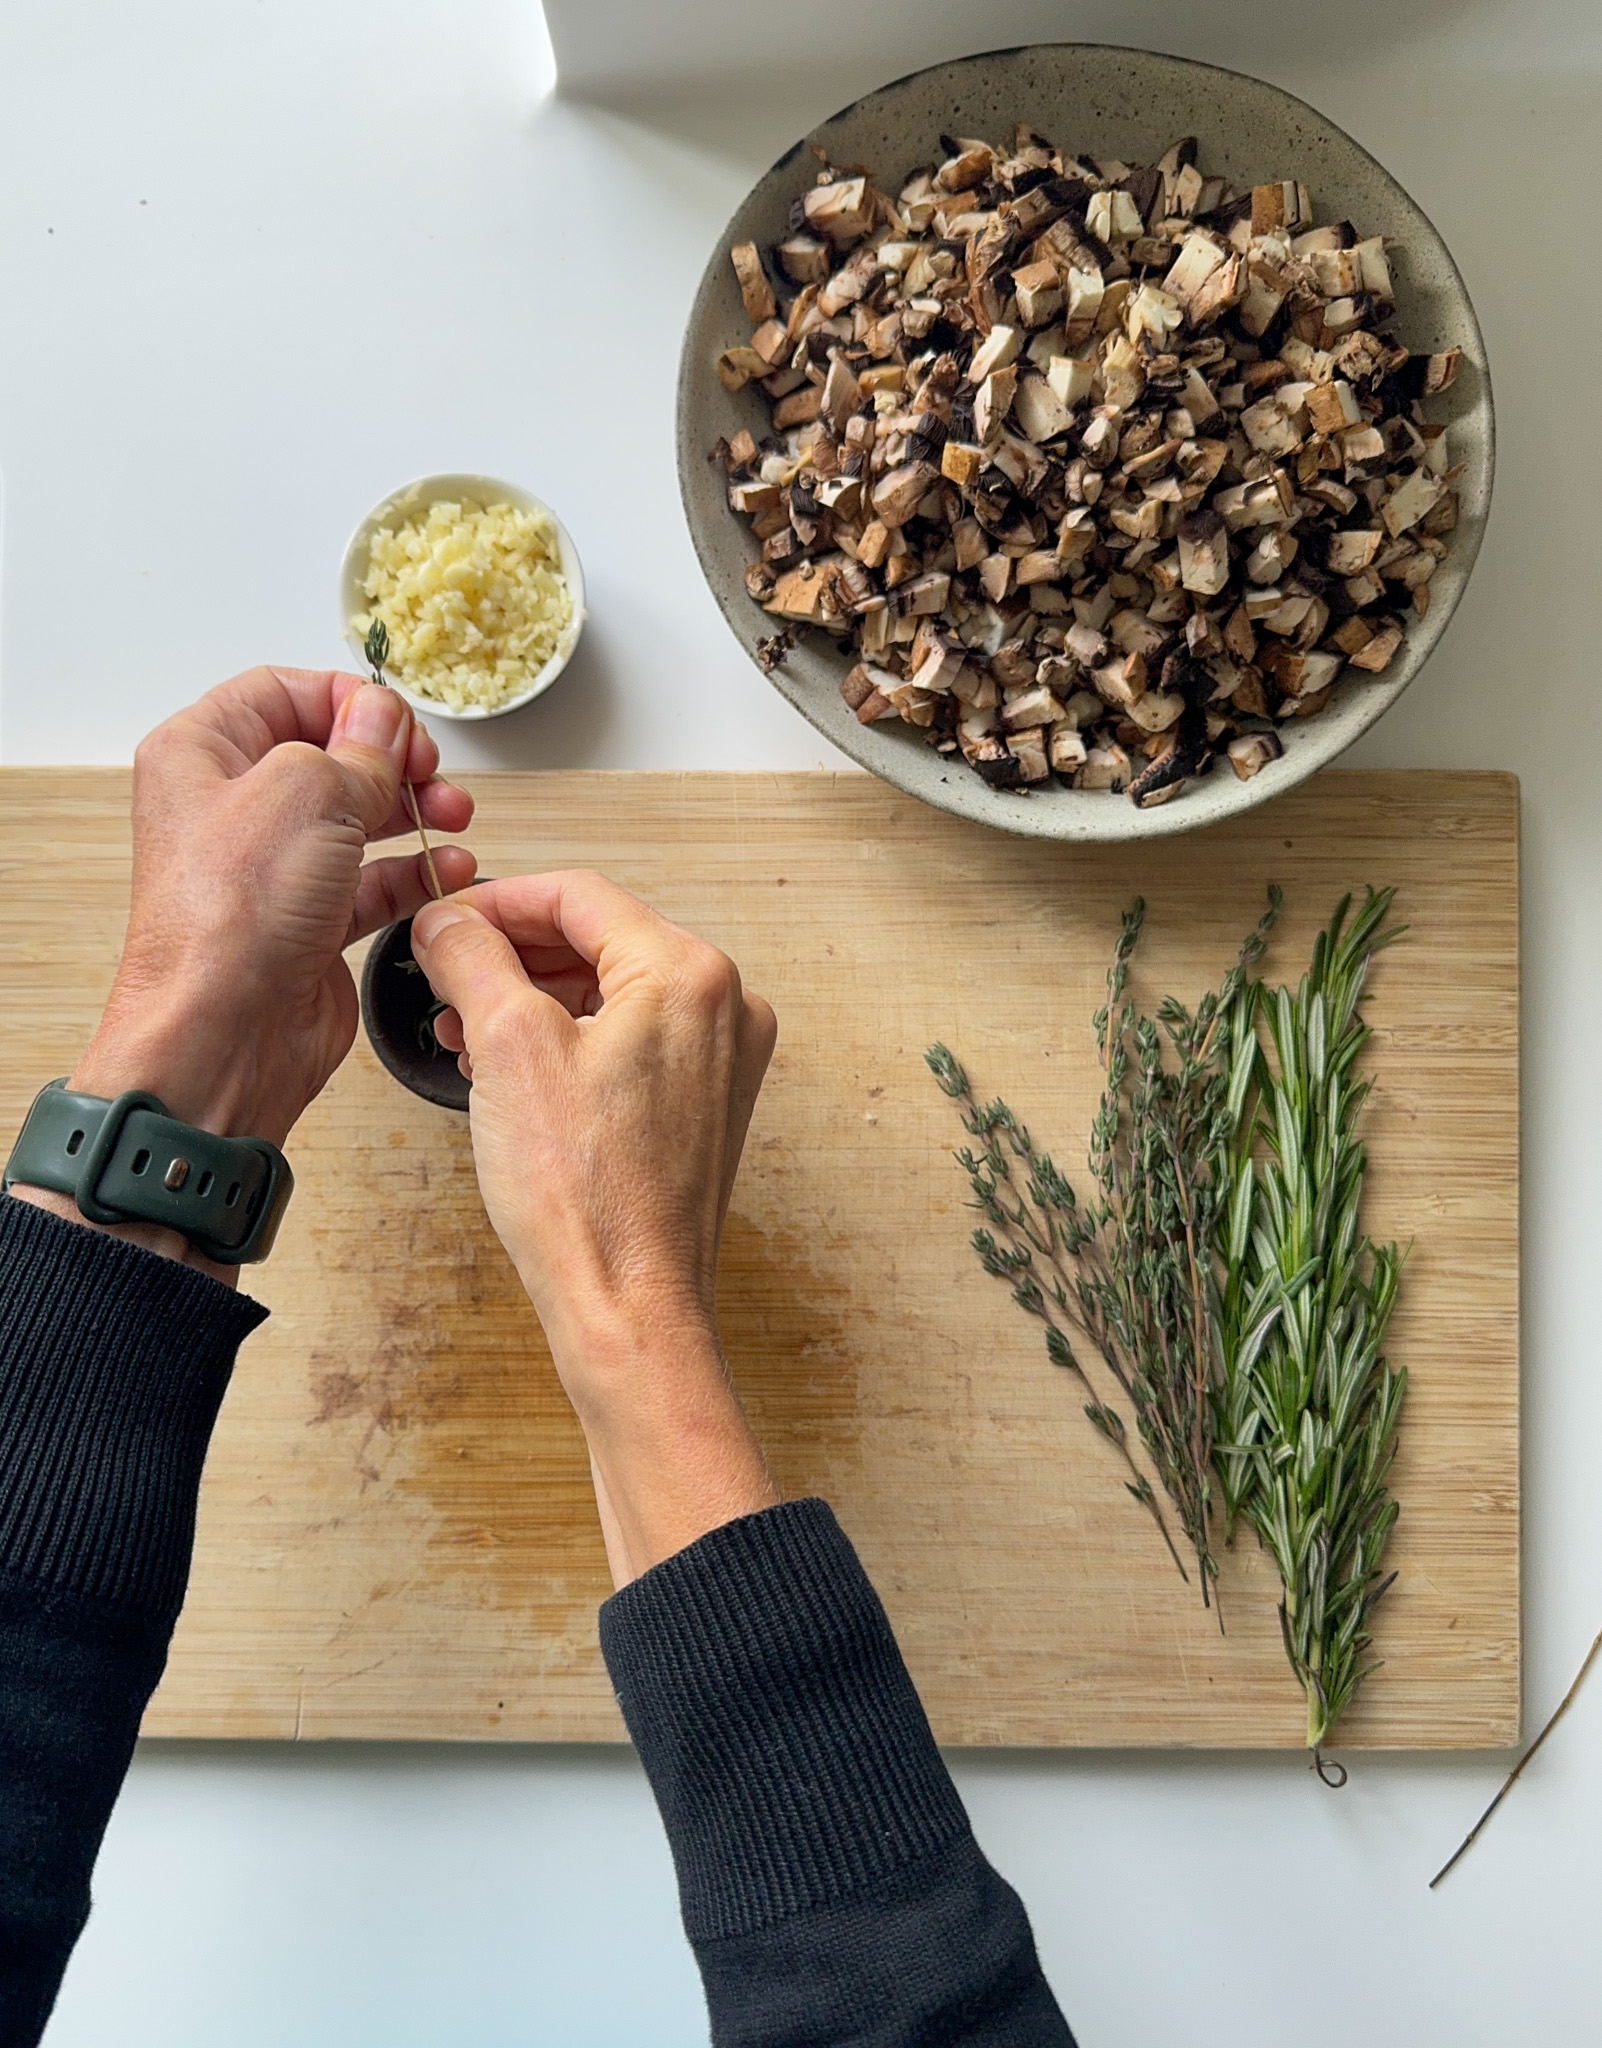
point(128, 1161)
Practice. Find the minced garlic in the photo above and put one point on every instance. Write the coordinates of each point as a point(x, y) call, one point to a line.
point(473, 598)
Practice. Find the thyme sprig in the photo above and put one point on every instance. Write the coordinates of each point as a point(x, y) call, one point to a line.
point(1161, 1154)
point(1038, 1241)
point(376, 649)
point(1308, 1404)
point(1134, 1273)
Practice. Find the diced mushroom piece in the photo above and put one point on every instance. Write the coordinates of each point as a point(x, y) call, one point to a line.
point(1028, 749)
point(1113, 217)
point(1373, 271)
point(866, 690)
point(1086, 644)
point(1361, 447)
point(1151, 311)
point(1331, 408)
point(1440, 372)
point(994, 402)
point(1269, 428)
point(970, 543)
point(1071, 378)
point(1271, 556)
point(1066, 748)
point(1038, 410)
point(1199, 256)
point(804, 259)
point(1131, 632)
point(1300, 675)
point(1376, 652)
point(1037, 706)
point(1123, 373)
point(960, 461)
point(1266, 290)
point(737, 366)
point(1104, 768)
point(1351, 549)
point(1203, 553)
point(1099, 441)
point(840, 396)
point(802, 406)
point(755, 290)
point(1156, 711)
point(1039, 294)
point(1279, 206)
point(753, 499)
point(999, 348)
point(772, 343)
point(1085, 293)
point(1012, 665)
point(1253, 751)
point(925, 595)
point(941, 666)
point(842, 210)
point(1413, 497)
point(897, 496)
point(1039, 566)
point(1217, 293)
point(1122, 681)
point(970, 166)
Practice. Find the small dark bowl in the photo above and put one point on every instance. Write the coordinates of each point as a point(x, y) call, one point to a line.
point(396, 1000)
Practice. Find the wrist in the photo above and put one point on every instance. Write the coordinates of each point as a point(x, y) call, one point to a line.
point(204, 1067)
point(674, 1454)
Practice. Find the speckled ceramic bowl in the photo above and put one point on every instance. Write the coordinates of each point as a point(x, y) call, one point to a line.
point(1103, 102)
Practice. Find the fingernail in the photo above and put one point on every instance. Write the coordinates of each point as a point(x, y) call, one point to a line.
point(376, 717)
point(431, 920)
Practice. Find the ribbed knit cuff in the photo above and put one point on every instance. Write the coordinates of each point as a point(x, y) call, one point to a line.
point(112, 1365)
point(788, 1751)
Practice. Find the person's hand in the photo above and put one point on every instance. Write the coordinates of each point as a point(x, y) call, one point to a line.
point(251, 813)
point(615, 1063)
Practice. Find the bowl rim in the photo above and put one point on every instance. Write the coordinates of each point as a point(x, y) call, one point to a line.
point(1072, 815)
point(431, 490)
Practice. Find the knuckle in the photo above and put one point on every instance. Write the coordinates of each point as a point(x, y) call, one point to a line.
point(504, 1036)
point(711, 976)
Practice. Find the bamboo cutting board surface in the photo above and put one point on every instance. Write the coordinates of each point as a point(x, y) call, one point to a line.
point(397, 1537)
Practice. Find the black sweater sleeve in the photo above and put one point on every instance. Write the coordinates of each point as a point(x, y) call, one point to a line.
point(112, 1365)
point(830, 1883)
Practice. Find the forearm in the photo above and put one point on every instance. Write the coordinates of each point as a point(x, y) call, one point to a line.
point(829, 1880)
point(112, 1365)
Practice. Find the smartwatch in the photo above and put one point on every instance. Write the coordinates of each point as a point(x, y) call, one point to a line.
point(128, 1161)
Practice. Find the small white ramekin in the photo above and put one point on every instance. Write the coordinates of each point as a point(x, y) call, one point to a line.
point(406, 503)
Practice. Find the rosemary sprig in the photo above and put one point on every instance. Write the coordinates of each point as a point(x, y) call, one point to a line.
point(1308, 1405)
point(376, 648)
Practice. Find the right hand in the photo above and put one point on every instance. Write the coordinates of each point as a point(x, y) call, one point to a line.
point(615, 1062)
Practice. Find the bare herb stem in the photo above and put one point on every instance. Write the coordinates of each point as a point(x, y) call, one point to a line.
point(377, 652)
point(1517, 1771)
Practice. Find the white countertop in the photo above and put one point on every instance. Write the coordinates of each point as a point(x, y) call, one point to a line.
point(264, 259)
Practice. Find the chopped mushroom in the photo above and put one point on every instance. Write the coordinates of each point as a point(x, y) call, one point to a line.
point(1099, 470)
point(1253, 751)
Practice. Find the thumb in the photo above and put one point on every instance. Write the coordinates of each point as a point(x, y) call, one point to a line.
point(371, 738)
point(473, 966)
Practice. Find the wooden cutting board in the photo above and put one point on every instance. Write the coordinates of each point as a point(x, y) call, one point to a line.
point(397, 1537)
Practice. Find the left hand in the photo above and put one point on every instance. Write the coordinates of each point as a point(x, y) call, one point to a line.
point(251, 814)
